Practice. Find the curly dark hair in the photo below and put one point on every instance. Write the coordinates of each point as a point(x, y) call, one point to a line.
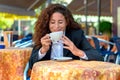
point(42, 23)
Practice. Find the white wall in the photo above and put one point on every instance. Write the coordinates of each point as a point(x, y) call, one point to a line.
point(118, 21)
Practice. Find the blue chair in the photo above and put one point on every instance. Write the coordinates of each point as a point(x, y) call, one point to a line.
point(28, 43)
point(106, 53)
point(97, 45)
point(117, 43)
point(24, 42)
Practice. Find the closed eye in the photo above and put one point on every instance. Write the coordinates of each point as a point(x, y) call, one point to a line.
point(60, 22)
point(52, 22)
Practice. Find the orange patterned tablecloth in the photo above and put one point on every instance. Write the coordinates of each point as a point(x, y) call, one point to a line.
point(75, 70)
point(13, 62)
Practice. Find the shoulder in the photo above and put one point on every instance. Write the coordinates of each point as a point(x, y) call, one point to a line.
point(77, 32)
point(77, 35)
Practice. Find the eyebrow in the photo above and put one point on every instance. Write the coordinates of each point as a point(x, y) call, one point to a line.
point(58, 20)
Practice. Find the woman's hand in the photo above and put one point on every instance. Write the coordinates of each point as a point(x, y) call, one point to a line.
point(46, 42)
point(70, 46)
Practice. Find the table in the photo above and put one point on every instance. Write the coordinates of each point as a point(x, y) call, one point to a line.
point(13, 62)
point(75, 70)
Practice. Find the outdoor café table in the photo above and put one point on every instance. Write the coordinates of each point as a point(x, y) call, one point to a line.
point(75, 70)
point(13, 62)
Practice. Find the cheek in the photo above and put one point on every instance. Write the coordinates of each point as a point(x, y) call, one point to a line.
point(63, 28)
point(52, 28)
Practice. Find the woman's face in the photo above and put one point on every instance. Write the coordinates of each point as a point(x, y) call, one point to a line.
point(57, 22)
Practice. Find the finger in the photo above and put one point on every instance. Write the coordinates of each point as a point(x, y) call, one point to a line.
point(46, 44)
point(66, 47)
point(64, 37)
point(66, 42)
point(46, 41)
point(46, 36)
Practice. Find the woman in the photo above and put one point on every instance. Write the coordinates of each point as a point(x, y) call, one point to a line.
point(55, 18)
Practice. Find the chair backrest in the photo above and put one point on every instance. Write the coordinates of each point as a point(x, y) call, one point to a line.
point(105, 52)
point(27, 72)
point(100, 47)
point(8, 38)
point(117, 42)
point(96, 42)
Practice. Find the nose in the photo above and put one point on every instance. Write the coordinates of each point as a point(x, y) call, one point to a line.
point(57, 26)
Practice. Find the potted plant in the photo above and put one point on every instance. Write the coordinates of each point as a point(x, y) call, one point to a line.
point(105, 28)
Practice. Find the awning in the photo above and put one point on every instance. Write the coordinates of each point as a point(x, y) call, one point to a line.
point(78, 7)
point(20, 7)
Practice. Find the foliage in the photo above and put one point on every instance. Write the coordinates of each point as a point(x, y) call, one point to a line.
point(7, 19)
point(5, 23)
point(105, 27)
